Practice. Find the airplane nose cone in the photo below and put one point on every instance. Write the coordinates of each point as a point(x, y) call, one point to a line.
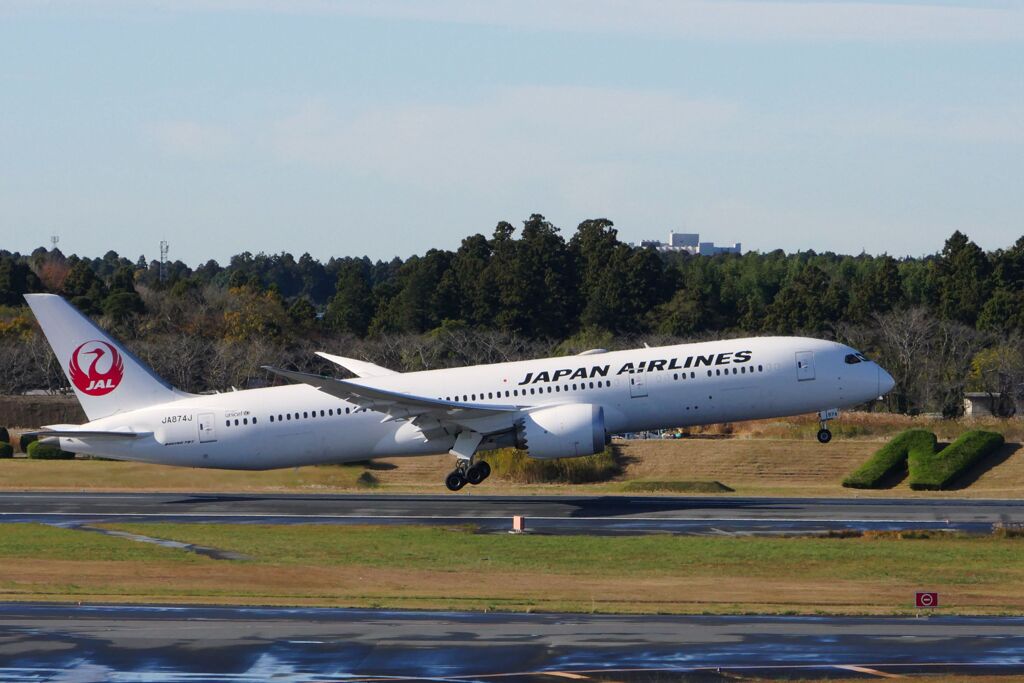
point(885, 382)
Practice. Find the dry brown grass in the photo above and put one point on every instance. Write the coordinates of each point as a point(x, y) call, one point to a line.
point(754, 460)
point(796, 467)
point(749, 466)
point(34, 579)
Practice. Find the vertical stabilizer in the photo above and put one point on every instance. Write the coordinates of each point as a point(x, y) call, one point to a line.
point(106, 377)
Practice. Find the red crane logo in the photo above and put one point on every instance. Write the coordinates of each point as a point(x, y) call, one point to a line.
point(104, 371)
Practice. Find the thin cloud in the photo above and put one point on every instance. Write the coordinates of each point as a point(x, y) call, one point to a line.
point(513, 135)
point(742, 20)
point(190, 139)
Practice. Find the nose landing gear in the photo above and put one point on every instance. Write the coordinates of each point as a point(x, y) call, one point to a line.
point(824, 435)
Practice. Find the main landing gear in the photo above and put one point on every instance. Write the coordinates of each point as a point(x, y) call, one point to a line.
point(824, 435)
point(464, 473)
point(467, 471)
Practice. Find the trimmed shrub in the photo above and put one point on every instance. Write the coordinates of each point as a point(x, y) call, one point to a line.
point(675, 487)
point(5, 435)
point(516, 465)
point(24, 441)
point(42, 451)
point(368, 481)
point(934, 471)
point(891, 458)
point(6, 450)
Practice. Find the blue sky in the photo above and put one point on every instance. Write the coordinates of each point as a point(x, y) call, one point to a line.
point(388, 128)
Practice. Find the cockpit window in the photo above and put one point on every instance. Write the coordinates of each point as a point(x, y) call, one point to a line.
point(856, 357)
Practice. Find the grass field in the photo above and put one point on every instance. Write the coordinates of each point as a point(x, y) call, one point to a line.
point(457, 569)
point(765, 457)
point(782, 467)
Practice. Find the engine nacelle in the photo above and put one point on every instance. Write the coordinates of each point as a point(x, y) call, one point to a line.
point(566, 431)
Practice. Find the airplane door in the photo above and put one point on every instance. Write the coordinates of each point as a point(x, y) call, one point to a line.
point(206, 429)
point(804, 365)
point(637, 386)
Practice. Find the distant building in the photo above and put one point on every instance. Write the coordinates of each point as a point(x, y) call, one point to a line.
point(691, 244)
point(985, 404)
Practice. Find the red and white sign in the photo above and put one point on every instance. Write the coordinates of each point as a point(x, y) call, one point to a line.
point(96, 368)
point(926, 599)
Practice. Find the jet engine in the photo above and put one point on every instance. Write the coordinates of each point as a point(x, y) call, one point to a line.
point(566, 431)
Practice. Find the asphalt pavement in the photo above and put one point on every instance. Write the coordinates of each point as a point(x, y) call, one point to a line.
point(611, 514)
point(179, 643)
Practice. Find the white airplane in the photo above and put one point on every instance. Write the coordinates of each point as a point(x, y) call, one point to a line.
point(551, 407)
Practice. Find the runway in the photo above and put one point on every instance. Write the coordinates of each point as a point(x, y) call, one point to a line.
point(159, 643)
point(612, 514)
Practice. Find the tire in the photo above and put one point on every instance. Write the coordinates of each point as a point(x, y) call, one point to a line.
point(455, 481)
point(474, 475)
point(824, 435)
point(485, 468)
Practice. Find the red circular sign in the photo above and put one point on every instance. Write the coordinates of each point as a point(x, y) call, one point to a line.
point(96, 368)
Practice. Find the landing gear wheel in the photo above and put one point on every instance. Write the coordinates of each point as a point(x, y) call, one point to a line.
point(484, 468)
point(475, 475)
point(824, 435)
point(455, 480)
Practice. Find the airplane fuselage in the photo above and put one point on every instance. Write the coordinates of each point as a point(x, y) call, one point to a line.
point(639, 389)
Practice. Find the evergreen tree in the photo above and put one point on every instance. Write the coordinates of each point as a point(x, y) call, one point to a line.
point(351, 309)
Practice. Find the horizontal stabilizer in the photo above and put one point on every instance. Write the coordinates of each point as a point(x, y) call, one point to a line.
point(359, 368)
point(85, 434)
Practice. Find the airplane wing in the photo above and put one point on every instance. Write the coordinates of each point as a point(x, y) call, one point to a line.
point(426, 413)
point(360, 368)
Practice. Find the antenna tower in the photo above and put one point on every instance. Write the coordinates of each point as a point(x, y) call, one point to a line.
point(54, 238)
point(164, 247)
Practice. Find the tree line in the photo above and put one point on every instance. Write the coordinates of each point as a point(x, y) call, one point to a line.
point(941, 323)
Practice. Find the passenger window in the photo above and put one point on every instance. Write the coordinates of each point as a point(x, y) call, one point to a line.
point(245, 420)
point(271, 418)
point(236, 422)
point(227, 423)
point(254, 420)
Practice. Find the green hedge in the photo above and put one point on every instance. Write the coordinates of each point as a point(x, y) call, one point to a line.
point(42, 451)
point(891, 458)
point(5, 435)
point(6, 450)
point(934, 471)
point(509, 463)
point(675, 487)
